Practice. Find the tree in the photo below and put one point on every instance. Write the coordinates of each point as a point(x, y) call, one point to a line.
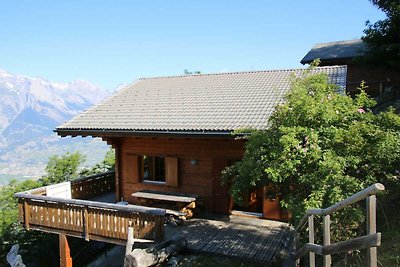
point(62, 168)
point(383, 37)
point(108, 164)
point(10, 231)
point(321, 147)
point(59, 168)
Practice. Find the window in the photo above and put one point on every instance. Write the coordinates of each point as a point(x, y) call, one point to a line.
point(152, 168)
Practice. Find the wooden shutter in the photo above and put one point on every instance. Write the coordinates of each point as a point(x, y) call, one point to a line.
point(171, 171)
point(132, 168)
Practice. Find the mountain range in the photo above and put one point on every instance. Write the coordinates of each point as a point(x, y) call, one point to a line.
point(30, 108)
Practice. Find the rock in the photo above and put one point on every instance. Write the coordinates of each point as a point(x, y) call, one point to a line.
point(13, 258)
point(173, 261)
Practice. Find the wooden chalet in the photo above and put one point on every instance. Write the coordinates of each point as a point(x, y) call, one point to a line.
point(172, 138)
point(347, 53)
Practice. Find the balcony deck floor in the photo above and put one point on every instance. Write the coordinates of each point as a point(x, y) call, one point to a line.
point(248, 239)
point(259, 241)
point(106, 198)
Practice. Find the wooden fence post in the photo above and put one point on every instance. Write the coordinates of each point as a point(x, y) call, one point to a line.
point(372, 258)
point(311, 239)
point(65, 256)
point(327, 238)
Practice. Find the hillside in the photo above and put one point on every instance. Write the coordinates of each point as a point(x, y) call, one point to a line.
point(30, 108)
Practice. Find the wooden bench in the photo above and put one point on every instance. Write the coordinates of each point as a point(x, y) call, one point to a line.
point(184, 203)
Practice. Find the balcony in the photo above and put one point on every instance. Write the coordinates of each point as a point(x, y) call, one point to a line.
point(76, 209)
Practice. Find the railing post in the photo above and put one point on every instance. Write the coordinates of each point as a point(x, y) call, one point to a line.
point(159, 228)
point(327, 238)
point(26, 215)
point(86, 222)
point(372, 259)
point(311, 239)
point(117, 174)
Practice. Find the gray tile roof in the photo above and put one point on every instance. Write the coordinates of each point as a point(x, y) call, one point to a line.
point(336, 51)
point(206, 102)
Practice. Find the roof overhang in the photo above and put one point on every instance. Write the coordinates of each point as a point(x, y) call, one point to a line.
point(330, 61)
point(152, 133)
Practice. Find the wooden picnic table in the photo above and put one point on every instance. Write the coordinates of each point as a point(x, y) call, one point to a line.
point(164, 196)
point(185, 203)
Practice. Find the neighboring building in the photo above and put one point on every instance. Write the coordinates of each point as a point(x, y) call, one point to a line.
point(174, 134)
point(347, 53)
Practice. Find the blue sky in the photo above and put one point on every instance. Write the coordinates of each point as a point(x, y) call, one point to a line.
point(116, 41)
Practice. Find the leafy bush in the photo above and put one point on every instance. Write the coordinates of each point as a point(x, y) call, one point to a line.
point(321, 147)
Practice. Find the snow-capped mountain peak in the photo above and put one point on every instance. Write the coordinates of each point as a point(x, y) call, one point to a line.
point(30, 108)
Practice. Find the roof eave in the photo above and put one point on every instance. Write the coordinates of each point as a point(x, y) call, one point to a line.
point(125, 133)
point(329, 61)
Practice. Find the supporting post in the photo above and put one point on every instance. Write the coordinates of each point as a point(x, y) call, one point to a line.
point(372, 258)
point(327, 238)
point(117, 173)
point(65, 256)
point(311, 239)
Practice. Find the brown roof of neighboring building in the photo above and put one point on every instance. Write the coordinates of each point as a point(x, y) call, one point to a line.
point(213, 103)
point(335, 51)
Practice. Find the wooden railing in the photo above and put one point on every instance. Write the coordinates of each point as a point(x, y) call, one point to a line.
point(369, 241)
point(92, 186)
point(86, 219)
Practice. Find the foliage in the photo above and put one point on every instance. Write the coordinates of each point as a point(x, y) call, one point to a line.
point(10, 232)
point(62, 168)
point(389, 224)
point(106, 165)
point(59, 168)
point(383, 37)
point(321, 147)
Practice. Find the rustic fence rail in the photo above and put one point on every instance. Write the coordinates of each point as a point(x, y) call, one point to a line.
point(370, 241)
point(92, 186)
point(86, 219)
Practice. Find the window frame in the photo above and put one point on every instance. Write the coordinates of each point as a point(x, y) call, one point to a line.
point(141, 169)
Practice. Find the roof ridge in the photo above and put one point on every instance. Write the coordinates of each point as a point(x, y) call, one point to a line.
point(341, 41)
point(233, 72)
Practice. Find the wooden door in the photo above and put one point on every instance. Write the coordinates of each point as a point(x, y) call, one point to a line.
point(221, 198)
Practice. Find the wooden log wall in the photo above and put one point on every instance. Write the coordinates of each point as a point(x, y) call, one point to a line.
point(376, 80)
point(192, 179)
